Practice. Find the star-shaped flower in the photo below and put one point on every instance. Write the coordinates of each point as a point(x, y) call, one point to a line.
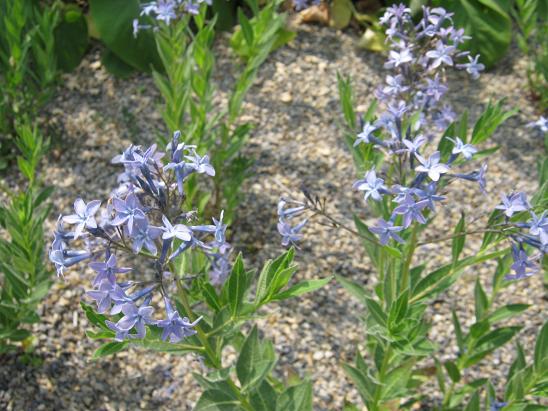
point(84, 217)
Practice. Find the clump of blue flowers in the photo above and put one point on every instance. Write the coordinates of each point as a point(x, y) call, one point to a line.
point(407, 163)
point(142, 218)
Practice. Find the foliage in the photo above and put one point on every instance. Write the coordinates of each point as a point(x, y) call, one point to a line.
point(24, 276)
point(28, 65)
point(532, 21)
point(402, 187)
point(487, 22)
point(187, 90)
point(35, 44)
point(112, 20)
point(207, 303)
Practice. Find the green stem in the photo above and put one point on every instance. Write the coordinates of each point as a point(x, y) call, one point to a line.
point(214, 360)
point(210, 353)
point(382, 374)
point(407, 263)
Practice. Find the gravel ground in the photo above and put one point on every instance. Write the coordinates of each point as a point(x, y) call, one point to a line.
point(297, 140)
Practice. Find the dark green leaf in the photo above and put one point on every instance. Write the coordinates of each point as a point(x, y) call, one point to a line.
point(71, 39)
point(256, 360)
point(460, 237)
point(541, 349)
point(113, 20)
point(302, 288)
point(247, 30)
point(109, 349)
point(480, 300)
point(452, 371)
point(217, 400)
point(296, 398)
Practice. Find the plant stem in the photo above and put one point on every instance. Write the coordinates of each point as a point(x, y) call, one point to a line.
point(210, 353)
point(407, 263)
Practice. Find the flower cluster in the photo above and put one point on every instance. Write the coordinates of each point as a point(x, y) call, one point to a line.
point(143, 218)
point(402, 133)
point(418, 57)
point(167, 10)
point(407, 177)
point(536, 235)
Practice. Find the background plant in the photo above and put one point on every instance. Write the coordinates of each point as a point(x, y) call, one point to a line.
point(24, 276)
point(403, 187)
point(184, 265)
point(184, 42)
point(532, 36)
point(36, 42)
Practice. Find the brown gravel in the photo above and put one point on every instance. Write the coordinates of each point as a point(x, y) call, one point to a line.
point(296, 141)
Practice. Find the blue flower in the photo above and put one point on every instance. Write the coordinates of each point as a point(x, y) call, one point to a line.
point(180, 231)
point(512, 204)
point(522, 266)
point(102, 296)
point(135, 317)
point(175, 327)
point(364, 136)
point(127, 211)
point(411, 210)
point(539, 226)
point(84, 217)
point(290, 235)
point(467, 150)
point(144, 235)
point(371, 185)
point(432, 166)
point(387, 230)
point(441, 55)
point(63, 259)
point(107, 270)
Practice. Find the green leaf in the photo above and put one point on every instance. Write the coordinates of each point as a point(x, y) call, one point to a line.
point(363, 384)
point(492, 117)
point(474, 403)
point(256, 360)
point(264, 398)
point(506, 312)
point(115, 65)
point(376, 311)
point(480, 300)
point(218, 400)
point(302, 288)
point(346, 97)
point(541, 349)
point(113, 21)
point(452, 371)
point(490, 342)
point(109, 349)
point(236, 286)
point(460, 237)
point(340, 14)
point(486, 22)
point(71, 39)
point(247, 30)
point(296, 398)
point(458, 330)
point(396, 380)
point(353, 288)
point(398, 309)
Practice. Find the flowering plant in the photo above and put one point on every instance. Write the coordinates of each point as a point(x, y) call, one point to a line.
point(184, 39)
point(411, 153)
point(24, 276)
point(181, 265)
